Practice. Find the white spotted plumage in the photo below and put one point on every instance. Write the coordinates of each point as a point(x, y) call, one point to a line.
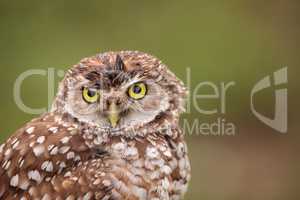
point(73, 152)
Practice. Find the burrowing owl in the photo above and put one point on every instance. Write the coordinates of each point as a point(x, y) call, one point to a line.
point(112, 133)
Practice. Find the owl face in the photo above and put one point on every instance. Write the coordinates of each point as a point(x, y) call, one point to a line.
point(118, 90)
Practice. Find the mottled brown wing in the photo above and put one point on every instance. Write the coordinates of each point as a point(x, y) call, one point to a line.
point(39, 159)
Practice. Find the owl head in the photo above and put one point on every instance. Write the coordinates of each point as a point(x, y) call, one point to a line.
point(117, 90)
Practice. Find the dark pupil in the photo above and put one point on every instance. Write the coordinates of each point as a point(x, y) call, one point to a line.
point(137, 89)
point(91, 93)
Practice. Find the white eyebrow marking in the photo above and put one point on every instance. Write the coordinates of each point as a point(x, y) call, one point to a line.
point(132, 81)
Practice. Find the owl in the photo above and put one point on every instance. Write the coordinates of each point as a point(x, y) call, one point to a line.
point(112, 133)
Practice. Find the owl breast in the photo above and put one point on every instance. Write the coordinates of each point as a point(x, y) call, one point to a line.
point(155, 167)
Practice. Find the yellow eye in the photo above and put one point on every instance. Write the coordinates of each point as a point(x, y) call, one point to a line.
point(137, 91)
point(90, 95)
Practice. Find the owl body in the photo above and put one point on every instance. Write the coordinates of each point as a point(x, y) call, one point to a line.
point(124, 144)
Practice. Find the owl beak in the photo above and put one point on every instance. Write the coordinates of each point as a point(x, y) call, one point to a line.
point(113, 115)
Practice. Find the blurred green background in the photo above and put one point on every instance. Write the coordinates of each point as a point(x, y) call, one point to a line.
point(220, 41)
